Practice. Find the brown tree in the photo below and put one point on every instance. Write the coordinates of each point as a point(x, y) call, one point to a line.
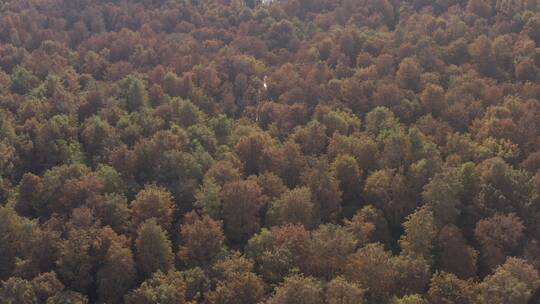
point(153, 202)
point(242, 201)
point(371, 268)
point(202, 239)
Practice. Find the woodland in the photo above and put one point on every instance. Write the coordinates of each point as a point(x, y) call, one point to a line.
point(269, 152)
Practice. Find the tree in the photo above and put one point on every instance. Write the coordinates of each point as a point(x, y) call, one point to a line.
point(280, 33)
point(298, 289)
point(76, 264)
point(113, 181)
point(15, 231)
point(113, 211)
point(480, 7)
point(454, 255)
point(168, 287)
point(369, 225)
point(224, 171)
point(410, 299)
point(387, 190)
point(502, 188)
point(346, 170)
point(412, 274)
point(202, 239)
point(408, 74)
point(380, 119)
point(76, 192)
point(29, 199)
point(442, 195)
point(311, 138)
point(420, 233)
point(361, 146)
point(136, 94)
point(513, 282)
point(153, 249)
point(242, 201)
point(325, 192)
point(433, 99)
point(94, 256)
point(272, 185)
point(42, 252)
point(500, 236)
point(361, 229)
point(153, 202)
point(291, 164)
point(339, 291)
point(17, 290)
point(330, 247)
point(22, 80)
point(237, 283)
point(207, 198)
point(98, 137)
point(117, 274)
point(481, 50)
point(341, 122)
point(371, 268)
point(67, 297)
point(447, 288)
point(293, 207)
point(46, 285)
point(273, 261)
point(251, 150)
point(279, 251)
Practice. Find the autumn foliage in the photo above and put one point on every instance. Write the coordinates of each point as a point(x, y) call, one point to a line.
point(286, 151)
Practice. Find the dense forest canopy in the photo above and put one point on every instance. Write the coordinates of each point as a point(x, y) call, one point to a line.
point(277, 152)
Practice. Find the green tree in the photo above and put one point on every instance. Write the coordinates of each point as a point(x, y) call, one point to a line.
point(153, 249)
point(76, 264)
point(22, 80)
point(420, 233)
point(442, 195)
point(207, 198)
point(279, 251)
point(293, 207)
point(136, 94)
point(346, 170)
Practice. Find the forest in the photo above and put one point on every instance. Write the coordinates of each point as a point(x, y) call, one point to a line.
point(269, 152)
